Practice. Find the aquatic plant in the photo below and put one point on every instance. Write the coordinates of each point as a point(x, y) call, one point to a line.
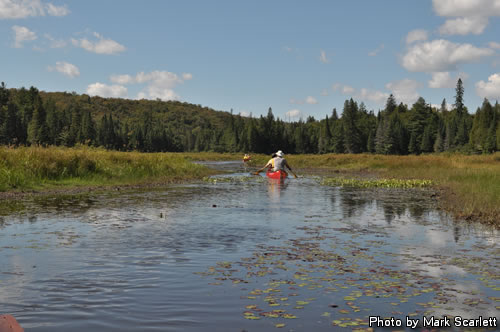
point(376, 183)
point(233, 179)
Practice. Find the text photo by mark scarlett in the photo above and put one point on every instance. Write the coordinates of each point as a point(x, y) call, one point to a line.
point(457, 321)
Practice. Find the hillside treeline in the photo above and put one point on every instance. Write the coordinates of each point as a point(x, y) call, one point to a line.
point(32, 117)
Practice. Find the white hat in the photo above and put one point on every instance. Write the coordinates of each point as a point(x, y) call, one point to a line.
point(280, 154)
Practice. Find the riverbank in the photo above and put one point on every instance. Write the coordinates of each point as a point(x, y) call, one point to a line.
point(468, 186)
point(57, 170)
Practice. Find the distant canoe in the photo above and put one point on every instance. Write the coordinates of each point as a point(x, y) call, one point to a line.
point(277, 175)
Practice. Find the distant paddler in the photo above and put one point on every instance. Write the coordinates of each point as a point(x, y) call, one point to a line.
point(246, 158)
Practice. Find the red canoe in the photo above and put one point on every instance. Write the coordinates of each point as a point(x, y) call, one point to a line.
point(277, 175)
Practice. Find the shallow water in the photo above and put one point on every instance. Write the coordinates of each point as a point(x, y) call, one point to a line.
point(225, 256)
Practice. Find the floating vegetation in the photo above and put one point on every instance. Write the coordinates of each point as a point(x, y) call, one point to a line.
point(376, 183)
point(362, 277)
point(233, 179)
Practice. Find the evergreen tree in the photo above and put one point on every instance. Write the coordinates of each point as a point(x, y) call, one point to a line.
point(88, 131)
point(390, 105)
point(9, 124)
point(37, 128)
point(412, 146)
point(444, 107)
point(337, 145)
point(459, 97)
point(426, 145)
point(449, 140)
point(419, 118)
point(382, 143)
point(352, 139)
point(4, 95)
point(439, 143)
point(370, 143)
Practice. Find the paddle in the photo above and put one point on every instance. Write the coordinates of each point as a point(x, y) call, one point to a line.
point(257, 173)
point(294, 175)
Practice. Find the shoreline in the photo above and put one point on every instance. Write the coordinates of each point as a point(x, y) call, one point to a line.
point(444, 195)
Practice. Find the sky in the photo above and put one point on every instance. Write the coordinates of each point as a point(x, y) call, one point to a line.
point(301, 58)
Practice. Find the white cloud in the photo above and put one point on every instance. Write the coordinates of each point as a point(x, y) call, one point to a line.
point(55, 43)
point(375, 52)
point(336, 86)
point(65, 68)
point(364, 94)
point(449, 107)
point(103, 90)
point(311, 100)
point(56, 11)
point(15, 9)
point(467, 7)
point(347, 90)
point(378, 97)
point(416, 35)
point(404, 91)
point(494, 45)
point(160, 83)
point(101, 46)
point(323, 58)
point(21, 35)
point(490, 89)
point(444, 80)
point(471, 16)
point(292, 114)
point(441, 55)
point(244, 113)
point(121, 79)
point(464, 26)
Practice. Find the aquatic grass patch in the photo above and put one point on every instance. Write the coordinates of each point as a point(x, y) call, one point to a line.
point(376, 183)
point(233, 179)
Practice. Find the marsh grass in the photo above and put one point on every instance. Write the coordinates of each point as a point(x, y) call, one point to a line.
point(37, 168)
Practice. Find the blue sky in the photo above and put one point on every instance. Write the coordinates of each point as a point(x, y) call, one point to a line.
point(300, 58)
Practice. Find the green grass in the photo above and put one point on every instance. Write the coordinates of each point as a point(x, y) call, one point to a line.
point(39, 168)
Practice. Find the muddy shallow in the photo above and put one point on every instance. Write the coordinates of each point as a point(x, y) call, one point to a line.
point(241, 253)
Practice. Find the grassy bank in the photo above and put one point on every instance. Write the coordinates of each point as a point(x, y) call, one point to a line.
point(46, 168)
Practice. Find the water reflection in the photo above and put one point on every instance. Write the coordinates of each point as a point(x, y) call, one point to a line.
point(275, 188)
point(126, 261)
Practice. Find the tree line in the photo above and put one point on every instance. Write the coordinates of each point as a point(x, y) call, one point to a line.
point(33, 117)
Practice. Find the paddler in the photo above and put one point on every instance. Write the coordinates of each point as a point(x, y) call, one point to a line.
point(277, 163)
point(246, 158)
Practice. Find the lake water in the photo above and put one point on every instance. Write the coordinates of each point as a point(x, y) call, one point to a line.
point(241, 253)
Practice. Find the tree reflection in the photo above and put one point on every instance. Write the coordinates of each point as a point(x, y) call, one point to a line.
point(393, 203)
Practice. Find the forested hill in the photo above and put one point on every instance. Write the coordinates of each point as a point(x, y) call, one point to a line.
point(29, 116)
